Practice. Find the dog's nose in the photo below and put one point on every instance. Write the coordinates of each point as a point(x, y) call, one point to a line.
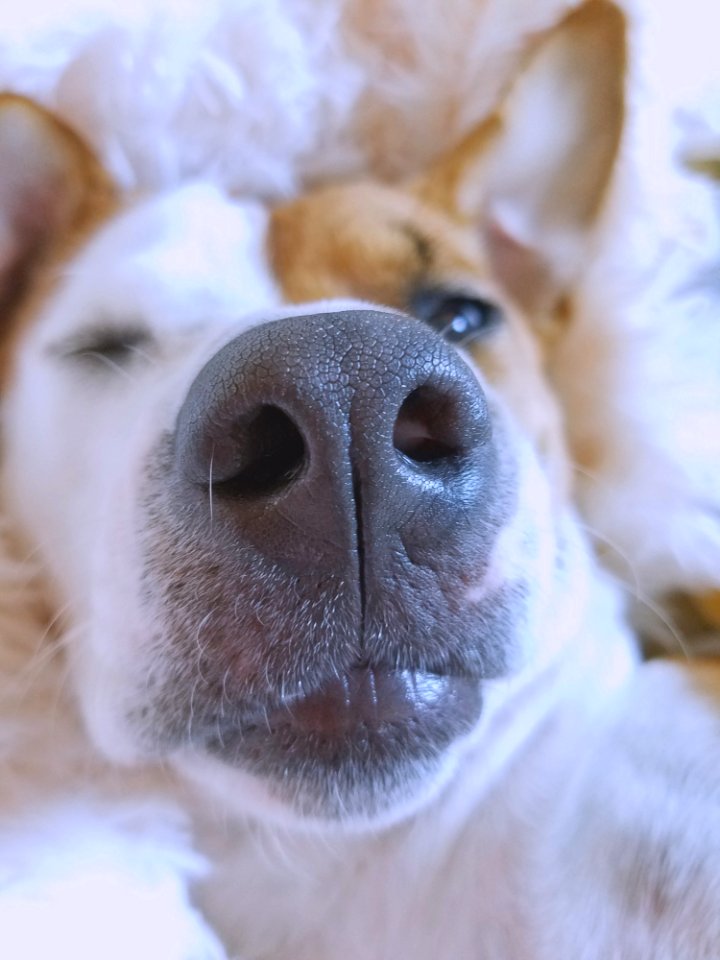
point(351, 434)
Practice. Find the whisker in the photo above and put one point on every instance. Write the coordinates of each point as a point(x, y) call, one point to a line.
point(605, 540)
point(191, 710)
point(597, 479)
point(131, 347)
point(666, 621)
point(42, 654)
point(63, 678)
point(199, 645)
point(115, 367)
point(637, 593)
point(210, 485)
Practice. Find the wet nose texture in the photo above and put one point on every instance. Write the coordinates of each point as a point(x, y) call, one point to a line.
point(353, 443)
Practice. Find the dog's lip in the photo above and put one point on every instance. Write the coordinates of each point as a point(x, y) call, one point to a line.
point(371, 697)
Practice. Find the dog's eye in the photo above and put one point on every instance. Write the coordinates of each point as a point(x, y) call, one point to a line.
point(458, 317)
point(110, 347)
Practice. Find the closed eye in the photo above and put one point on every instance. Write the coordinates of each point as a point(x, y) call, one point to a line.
point(111, 347)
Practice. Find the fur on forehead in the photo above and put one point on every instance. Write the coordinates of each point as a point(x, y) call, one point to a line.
point(173, 262)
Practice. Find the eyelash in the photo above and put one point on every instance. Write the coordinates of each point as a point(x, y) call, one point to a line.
point(113, 347)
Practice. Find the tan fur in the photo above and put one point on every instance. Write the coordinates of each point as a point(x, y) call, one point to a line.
point(78, 196)
point(380, 244)
point(709, 605)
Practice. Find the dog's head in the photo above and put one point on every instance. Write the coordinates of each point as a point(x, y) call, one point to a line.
point(294, 544)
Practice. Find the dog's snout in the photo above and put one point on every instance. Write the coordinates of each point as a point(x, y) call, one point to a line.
point(332, 495)
point(319, 434)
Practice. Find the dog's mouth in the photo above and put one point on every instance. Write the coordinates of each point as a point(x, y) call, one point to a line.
point(363, 699)
point(358, 744)
point(367, 697)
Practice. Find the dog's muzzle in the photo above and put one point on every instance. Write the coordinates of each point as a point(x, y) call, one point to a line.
point(332, 494)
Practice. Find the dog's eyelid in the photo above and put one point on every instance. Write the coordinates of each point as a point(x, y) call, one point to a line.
point(103, 340)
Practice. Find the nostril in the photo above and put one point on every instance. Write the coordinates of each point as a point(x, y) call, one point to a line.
point(267, 454)
point(426, 429)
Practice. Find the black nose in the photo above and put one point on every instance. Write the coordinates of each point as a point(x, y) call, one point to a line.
point(339, 475)
point(355, 432)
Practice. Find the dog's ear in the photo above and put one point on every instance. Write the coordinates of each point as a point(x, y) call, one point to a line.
point(51, 186)
point(533, 177)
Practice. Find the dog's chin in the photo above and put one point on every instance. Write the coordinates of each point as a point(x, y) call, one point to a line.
point(364, 748)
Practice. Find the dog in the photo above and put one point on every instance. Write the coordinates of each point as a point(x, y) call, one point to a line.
point(315, 660)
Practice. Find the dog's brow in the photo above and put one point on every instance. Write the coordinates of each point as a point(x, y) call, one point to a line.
point(422, 244)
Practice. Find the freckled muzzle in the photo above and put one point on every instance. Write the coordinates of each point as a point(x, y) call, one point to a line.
point(333, 490)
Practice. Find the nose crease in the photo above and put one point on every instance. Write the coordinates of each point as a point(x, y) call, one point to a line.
point(360, 546)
